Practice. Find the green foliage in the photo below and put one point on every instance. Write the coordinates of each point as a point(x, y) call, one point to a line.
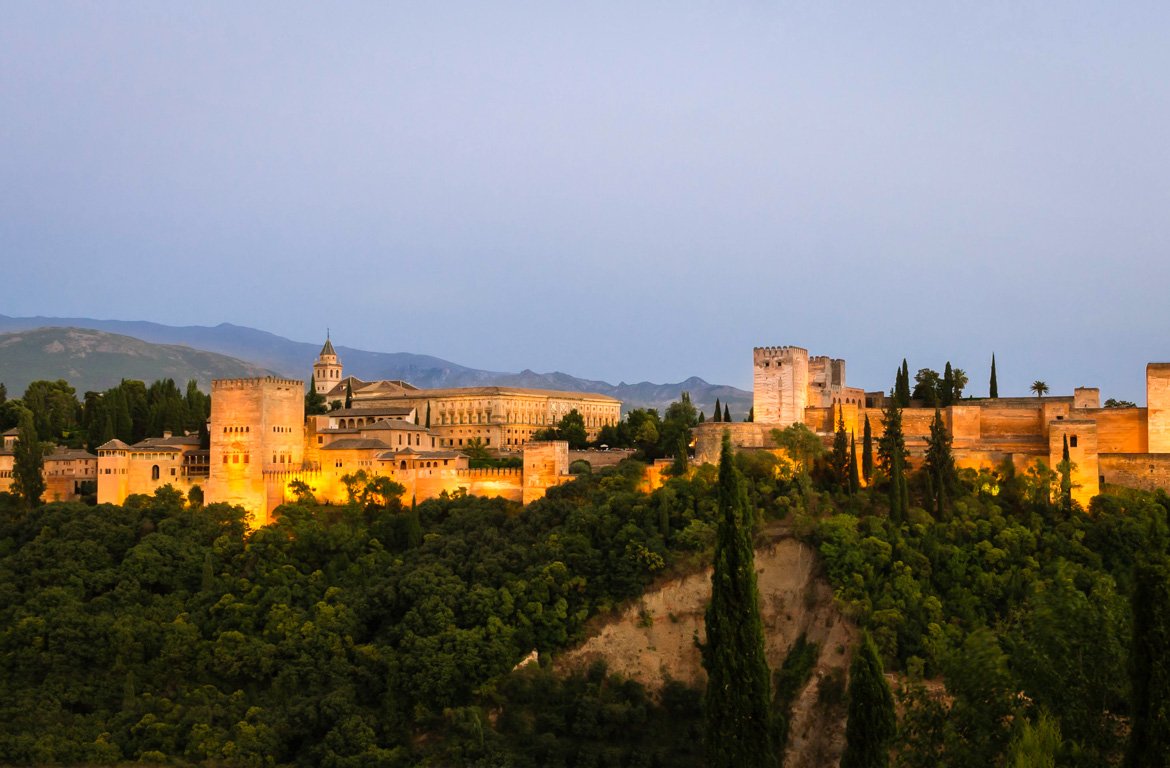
point(993, 391)
point(1035, 746)
point(314, 400)
point(1113, 403)
point(1149, 663)
point(802, 445)
point(1039, 387)
point(940, 468)
point(927, 388)
point(789, 680)
point(737, 706)
point(892, 453)
point(28, 482)
point(570, 428)
point(871, 726)
point(901, 393)
point(867, 452)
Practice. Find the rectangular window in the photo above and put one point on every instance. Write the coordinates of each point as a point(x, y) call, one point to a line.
point(1072, 442)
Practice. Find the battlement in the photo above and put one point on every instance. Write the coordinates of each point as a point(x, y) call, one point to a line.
point(785, 351)
point(226, 384)
point(491, 472)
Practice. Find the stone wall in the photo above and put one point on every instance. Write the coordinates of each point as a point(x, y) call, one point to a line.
point(1148, 471)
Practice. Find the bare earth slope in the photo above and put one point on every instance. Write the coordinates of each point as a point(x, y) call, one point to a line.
point(654, 640)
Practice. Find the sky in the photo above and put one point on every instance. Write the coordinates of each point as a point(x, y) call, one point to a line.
point(621, 191)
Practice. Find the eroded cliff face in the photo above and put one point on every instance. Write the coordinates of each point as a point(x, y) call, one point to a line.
point(654, 640)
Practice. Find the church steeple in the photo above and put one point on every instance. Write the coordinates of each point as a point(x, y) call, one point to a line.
point(327, 369)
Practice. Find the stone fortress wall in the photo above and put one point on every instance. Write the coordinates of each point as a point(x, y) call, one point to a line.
point(1121, 446)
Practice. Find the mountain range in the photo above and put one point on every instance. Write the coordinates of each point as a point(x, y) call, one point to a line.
point(97, 354)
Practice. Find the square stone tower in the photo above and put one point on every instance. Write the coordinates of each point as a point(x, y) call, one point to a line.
point(257, 425)
point(1158, 406)
point(780, 384)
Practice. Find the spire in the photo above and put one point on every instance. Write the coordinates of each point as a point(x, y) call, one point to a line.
point(328, 348)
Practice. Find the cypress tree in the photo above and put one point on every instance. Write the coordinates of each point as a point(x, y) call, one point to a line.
point(28, 482)
point(902, 390)
point(726, 413)
point(994, 392)
point(872, 724)
point(751, 414)
point(892, 452)
point(1065, 468)
point(348, 394)
point(428, 425)
point(702, 417)
point(1149, 667)
point(867, 452)
point(854, 475)
point(737, 707)
point(679, 468)
point(839, 458)
point(947, 395)
point(940, 466)
point(718, 416)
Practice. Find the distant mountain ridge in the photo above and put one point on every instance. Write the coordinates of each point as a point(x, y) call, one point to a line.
point(270, 353)
point(96, 360)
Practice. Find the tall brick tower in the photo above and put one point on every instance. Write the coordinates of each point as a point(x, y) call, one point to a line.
point(257, 425)
point(780, 384)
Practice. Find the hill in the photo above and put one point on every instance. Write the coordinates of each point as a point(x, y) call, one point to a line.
point(94, 360)
point(295, 359)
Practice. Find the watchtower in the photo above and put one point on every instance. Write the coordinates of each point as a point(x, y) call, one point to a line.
point(327, 369)
point(780, 384)
point(257, 425)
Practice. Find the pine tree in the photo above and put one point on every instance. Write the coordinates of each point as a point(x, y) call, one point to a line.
point(1149, 667)
point(994, 392)
point(28, 482)
point(718, 413)
point(867, 452)
point(947, 392)
point(854, 474)
point(872, 723)
point(737, 707)
point(940, 466)
point(726, 414)
point(892, 452)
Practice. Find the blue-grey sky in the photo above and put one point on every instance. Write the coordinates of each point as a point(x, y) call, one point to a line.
point(622, 191)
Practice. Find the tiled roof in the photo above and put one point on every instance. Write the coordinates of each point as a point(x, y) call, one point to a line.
point(356, 444)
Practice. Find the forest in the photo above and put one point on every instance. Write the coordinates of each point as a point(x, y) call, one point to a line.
point(385, 633)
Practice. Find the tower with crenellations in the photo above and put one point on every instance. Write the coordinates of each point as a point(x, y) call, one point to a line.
point(780, 388)
point(257, 427)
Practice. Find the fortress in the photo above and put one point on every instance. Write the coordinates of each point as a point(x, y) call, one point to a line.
point(1119, 446)
point(263, 448)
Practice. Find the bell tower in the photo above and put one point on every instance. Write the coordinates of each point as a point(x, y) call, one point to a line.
point(327, 369)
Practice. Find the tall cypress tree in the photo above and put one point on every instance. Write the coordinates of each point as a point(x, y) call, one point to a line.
point(903, 393)
point(726, 413)
point(940, 466)
point(1149, 667)
point(872, 723)
point(947, 393)
point(854, 474)
point(348, 394)
point(428, 424)
point(1065, 469)
point(839, 458)
point(28, 482)
point(718, 415)
point(751, 414)
point(737, 707)
point(892, 452)
point(867, 452)
point(994, 392)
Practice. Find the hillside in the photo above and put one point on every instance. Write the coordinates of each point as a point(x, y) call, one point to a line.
point(295, 359)
point(93, 360)
point(653, 641)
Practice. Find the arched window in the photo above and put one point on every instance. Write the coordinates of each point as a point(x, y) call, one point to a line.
point(154, 472)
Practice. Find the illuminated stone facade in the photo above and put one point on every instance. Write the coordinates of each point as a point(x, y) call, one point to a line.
point(1122, 446)
point(501, 418)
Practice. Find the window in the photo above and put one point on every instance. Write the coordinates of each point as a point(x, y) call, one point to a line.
point(154, 472)
point(1072, 442)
